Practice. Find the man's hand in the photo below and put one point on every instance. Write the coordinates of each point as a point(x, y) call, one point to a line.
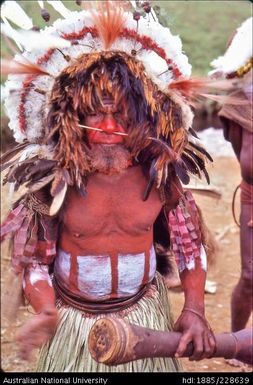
point(195, 329)
point(37, 331)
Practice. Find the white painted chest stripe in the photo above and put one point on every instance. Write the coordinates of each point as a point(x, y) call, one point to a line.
point(95, 274)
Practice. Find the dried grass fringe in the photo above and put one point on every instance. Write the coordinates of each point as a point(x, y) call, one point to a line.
point(68, 351)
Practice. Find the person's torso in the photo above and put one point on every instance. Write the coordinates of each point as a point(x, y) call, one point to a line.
point(104, 277)
point(106, 240)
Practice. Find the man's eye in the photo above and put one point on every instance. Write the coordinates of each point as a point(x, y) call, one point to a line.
point(95, 115)
point(118, 115)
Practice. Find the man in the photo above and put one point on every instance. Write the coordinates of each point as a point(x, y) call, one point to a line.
point(238, 129)
point(104, 189)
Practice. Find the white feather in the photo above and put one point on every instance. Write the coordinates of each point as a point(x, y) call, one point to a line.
point(60, 8)
point(30, 151)
point(7, 30)
point(36, 105)
point(58, 201)
point(35, 41)
point(196, 141)
point(154, 15)
point(11, 193)
point(238, 52)
point(32, 40)
point(12, 11)
point(4, 93)
point(41, 4)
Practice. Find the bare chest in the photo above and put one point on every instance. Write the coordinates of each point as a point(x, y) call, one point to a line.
point(112, 204)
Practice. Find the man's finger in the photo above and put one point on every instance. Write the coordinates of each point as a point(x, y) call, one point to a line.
point(208, 350)
point(212, 341)
point(198, 349)
point(184, 341)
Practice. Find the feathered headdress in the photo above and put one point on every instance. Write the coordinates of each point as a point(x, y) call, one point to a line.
point(237, 60)
point(78, 41)
point(236, 65)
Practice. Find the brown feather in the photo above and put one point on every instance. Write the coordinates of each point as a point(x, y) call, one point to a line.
point(12, 152)
point(58, 200)
point(41, 183)
point(39, 169)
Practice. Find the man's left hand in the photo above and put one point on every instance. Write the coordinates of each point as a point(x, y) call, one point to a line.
point(195, 329)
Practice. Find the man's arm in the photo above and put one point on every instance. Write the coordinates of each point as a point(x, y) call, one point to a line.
point(40, 294)
point(37, 284)
point(185, 228)
point(192, 322)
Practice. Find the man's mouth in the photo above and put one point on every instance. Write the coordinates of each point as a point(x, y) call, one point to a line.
point(100, 136)
point(105, 138)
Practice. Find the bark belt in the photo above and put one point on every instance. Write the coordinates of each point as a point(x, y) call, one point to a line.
point(94, 307)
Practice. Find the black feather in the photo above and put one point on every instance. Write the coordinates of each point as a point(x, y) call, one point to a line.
point(82, 190)
point(206, 175)
point(152, 179)
point(191, 131)
point(191, 165)
point(202, 150)
point(181, 172)
point(199, 161)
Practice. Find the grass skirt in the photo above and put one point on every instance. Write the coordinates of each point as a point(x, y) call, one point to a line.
point(68, 350)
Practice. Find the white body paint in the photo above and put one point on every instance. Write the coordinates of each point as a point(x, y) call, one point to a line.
point(95, 274)
point(38, 273)
point(203, 258)
point(190, 265)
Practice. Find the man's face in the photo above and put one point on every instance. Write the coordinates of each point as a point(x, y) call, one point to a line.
point(109, 119)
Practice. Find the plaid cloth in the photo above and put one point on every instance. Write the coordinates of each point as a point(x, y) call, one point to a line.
point(29, 243)
point(185, 234)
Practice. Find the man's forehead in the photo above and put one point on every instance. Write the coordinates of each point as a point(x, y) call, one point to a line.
point(108, 103)
point(107, 99)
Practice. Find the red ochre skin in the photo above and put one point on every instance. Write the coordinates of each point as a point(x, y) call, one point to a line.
point(109, 121)
point(242, 296)
point(113, 218)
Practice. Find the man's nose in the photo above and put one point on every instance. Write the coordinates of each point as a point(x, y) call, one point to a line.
point(109, 125)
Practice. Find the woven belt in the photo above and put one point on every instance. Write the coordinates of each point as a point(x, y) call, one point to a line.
point(97, 307)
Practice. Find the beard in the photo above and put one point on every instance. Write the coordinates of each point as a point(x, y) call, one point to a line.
point(109, 159)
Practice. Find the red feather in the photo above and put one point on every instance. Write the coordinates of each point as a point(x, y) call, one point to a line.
point(109, 20)
point(194, 89)
point(21, 66)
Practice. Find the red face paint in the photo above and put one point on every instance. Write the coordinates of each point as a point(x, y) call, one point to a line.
point(108, 124)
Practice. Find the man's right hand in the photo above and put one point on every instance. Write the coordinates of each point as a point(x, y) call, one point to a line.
point(37, 331)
